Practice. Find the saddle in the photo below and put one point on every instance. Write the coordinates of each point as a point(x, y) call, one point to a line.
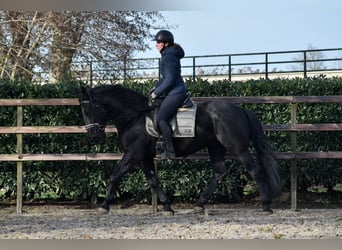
point(182, 124)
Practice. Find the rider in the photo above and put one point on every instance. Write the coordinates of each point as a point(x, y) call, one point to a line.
point(171, 86)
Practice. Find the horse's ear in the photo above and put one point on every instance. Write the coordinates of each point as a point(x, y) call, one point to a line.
point(84, 93)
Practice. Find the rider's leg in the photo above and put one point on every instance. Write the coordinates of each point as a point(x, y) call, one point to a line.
point(167, 110)
point(166, 132)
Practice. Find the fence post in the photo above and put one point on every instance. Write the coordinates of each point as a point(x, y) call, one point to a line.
point(91, 72)
point(293, 135)
point(19, 163)
point(266, 66)
point(125, 67)
point(230, 68)
point(154, 194)
point(305, 67)
point(194, 68)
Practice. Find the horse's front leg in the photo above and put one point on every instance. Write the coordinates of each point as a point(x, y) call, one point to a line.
point(151, 176)
point(125, 165)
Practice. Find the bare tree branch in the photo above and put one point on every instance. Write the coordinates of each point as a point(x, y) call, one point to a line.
point(53, 42)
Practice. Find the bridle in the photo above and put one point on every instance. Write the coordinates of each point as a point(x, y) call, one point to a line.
point(94, 125)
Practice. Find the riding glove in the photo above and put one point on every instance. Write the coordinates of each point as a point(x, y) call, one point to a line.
point(153, 96)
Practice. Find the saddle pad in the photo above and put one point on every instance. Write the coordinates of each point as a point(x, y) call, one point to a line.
point(183, 124)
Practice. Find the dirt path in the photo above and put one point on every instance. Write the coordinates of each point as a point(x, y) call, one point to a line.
point(138, 222)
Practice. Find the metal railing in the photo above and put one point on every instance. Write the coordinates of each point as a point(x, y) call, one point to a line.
point(234, 67)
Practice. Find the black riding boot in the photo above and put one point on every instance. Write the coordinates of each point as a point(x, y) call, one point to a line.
point(166, 132)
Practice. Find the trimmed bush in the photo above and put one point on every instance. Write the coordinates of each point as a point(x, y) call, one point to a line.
point(183, 179)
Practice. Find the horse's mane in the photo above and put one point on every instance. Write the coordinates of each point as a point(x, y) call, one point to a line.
point(127, 97)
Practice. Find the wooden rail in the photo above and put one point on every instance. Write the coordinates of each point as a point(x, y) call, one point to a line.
point(292, 128)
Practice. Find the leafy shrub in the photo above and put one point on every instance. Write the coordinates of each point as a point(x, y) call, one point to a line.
point(184, 179)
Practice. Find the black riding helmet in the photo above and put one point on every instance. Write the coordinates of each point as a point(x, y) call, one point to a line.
point(164, 36)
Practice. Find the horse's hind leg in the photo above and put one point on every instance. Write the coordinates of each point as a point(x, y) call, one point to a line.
point(260, 178)
point(220, 171)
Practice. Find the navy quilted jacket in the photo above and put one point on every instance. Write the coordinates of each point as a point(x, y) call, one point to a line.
point(170, 68)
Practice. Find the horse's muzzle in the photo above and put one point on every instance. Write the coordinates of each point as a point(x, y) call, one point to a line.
point(96, 131)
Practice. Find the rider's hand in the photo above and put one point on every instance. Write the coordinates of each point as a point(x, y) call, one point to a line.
point(153, 96)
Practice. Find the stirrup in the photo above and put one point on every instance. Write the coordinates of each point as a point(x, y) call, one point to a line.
point(165, 155)
point(162, 152)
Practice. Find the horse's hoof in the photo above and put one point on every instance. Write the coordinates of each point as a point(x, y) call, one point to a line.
point(103, 211)
point(198, 210)
point(267, 212)
point(167, 213)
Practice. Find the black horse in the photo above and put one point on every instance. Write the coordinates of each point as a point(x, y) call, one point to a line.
point(221, 127)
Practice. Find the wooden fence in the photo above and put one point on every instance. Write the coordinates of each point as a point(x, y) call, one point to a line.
point(293, 128)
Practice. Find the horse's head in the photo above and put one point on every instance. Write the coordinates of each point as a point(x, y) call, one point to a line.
point(94, 115)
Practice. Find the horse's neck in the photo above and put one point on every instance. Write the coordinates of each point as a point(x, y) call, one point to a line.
point(126, 120)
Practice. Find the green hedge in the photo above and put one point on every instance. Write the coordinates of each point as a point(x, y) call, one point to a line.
point(183, 179)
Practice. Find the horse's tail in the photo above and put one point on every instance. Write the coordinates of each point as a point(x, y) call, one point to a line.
point(265, 158)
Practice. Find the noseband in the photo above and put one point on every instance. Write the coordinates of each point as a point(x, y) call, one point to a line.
point(94, 125)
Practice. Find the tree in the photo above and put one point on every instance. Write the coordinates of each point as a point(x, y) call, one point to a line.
point(120, 35)
point(313, 58)
point(19, 38)
point(53, 42)
point(67, 29)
